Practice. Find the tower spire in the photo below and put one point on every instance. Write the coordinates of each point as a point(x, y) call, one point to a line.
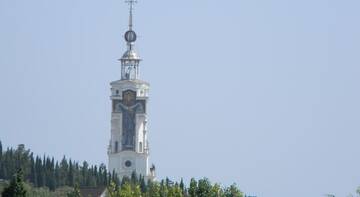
point(131, 4)
point(130, 60)
point(130, 35)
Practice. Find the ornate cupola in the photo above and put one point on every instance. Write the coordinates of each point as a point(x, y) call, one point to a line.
point(130, 60)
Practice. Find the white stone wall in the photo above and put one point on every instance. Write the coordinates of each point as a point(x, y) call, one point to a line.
point(139, 163)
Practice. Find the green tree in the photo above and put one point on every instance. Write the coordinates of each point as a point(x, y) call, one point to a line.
point(204, 188)
point(193, 188)
point(70, 177)
point(143, 185)
point(182, 186)
point(163, 189)
point(153, 189)
point(57, 174)
point(126, 190)
point(233, 191)
point(40, 176)
point(134, 178)
point(75, 192)
point(1, 161)
point(33, 174)
point(124, 180)
point(358, 191)
point(177, 192)
point(63, 171)
point(16, 187)
point(216, 191)
point(1, 150)
point(136, 191)
point(112, 190)
point(171, 191)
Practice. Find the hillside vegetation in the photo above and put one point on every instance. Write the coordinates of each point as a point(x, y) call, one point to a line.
point(21, 171)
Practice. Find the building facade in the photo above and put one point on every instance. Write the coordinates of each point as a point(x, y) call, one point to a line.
point(128, 149)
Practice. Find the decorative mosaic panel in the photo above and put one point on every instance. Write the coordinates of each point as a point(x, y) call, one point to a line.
point(129, 107)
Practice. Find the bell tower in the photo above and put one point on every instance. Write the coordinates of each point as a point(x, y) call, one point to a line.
point(128, 149)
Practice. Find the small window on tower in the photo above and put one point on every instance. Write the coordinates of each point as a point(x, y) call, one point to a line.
point(116, 146)
point(140, 147)
point(117, 92)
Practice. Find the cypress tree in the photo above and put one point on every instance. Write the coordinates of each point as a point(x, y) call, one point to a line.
point(84, 174)
point(57, 175)
point(115, 178)
point(163, 189)
point(168, 182)
point(134, 178)
point(105, 177)
point(182, 186)
point(51, 182)
point(39, 172)
point(95, 175)
point(143, 185)
point(16, 187)
point(71, 174)
point(1, 151)
point(1, 162)
point(63, 171)
point(193, 188)
point(33, 174)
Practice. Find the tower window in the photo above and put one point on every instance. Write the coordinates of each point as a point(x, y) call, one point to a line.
point(140, 147)
point(116, 146)
point(117, 92)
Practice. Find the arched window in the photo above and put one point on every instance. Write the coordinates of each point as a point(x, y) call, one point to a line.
point(116, 146)
point(140, 147)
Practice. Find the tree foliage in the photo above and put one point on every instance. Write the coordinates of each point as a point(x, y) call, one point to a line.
point(132, 187)
point(46, 172)
point(16, 187)
point(75, 192)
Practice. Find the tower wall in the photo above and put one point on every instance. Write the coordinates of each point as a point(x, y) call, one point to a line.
point(122, 160)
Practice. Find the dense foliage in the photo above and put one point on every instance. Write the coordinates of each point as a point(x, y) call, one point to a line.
point(46, 172)
point(39, 191)
point(16, 187)
point(136, 187)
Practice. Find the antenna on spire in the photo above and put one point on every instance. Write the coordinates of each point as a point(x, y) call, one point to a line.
point(131, 3)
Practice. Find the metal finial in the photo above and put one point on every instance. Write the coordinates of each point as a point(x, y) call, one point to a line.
point(130, 35)
point(131, 3)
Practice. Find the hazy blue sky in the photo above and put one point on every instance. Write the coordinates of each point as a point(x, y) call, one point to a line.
point(264, 93)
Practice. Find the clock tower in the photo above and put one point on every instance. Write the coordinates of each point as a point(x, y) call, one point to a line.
point(128, 150)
